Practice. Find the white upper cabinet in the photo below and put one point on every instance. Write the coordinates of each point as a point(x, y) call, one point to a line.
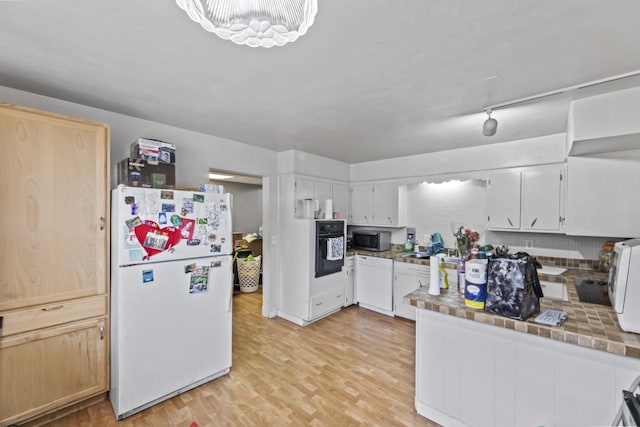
point(340, 199)
point(361, 204)
point(309, 188)
point(381, 204)
point(603, 197)
point(504, 201)
point(530, 199)
point(322, 192)
point(541, 199)
point(305, 188)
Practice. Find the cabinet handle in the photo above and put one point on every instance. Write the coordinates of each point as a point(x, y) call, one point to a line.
point(318, 304)
point(510, 223)
point(101, 223)
point(339, 296)
point(55, 307)
point(534, 221)
point(101, 329)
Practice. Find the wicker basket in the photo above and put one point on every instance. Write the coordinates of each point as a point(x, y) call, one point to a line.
point(249, 273)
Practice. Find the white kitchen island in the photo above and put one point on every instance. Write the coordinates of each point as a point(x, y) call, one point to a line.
point(477, 369)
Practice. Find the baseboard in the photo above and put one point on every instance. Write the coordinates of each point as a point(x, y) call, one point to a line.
point(60, 413)
point(438, 416)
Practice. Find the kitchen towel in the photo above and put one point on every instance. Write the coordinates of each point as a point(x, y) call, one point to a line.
point(434, 275)
point(335, 248)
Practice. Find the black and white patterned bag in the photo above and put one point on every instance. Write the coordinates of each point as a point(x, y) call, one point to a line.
point(513, 288)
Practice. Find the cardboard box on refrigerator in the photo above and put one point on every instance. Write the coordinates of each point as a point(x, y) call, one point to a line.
point(154, 150)
point(146, 174)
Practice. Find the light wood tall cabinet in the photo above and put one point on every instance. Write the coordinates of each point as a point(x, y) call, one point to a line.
point(54, 256)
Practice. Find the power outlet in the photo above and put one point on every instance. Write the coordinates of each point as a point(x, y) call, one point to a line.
point(425, 239)
point(528, 244)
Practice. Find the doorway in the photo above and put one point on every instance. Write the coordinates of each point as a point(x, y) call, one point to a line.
point(247, 225)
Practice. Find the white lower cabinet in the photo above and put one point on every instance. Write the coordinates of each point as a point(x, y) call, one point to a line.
point(324, 303)
point(473, 374)
point(349, 282)
point(374, 283)
point(406, 279)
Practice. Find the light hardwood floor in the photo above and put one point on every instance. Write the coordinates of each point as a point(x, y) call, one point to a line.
point(353, 368)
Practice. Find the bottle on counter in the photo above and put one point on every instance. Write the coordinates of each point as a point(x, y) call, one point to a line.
point(460, 271)
point(444, 280)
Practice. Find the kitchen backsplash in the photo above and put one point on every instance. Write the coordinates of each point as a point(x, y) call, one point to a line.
point(550, 245)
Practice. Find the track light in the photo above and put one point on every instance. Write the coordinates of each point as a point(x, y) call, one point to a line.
point(490, 125)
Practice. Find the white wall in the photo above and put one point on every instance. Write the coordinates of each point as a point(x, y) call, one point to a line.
point(298, 162)
point(196, 152)
point(459, 162)
point(433, 207)
point(247, 206)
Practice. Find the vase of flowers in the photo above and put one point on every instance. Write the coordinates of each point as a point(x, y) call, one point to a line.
point(466, 239)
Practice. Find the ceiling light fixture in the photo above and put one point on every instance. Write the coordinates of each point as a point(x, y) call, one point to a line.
point(490, 126)
point(255, 23)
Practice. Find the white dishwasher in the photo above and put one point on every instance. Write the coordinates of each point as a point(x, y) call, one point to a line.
point(374, 283)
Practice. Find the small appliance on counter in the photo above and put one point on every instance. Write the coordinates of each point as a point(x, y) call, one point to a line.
point(624, 284)
point(372, 240)
point(592, 291)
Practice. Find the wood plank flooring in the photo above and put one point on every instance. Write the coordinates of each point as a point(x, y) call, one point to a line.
point(353, 368)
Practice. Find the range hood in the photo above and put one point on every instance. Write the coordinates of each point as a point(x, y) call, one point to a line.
point(605, 124)
point(603, 145)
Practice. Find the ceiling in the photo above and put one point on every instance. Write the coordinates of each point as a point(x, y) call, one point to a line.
point(371, 79)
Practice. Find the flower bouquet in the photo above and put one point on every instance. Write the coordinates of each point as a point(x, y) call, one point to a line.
point(466, 239)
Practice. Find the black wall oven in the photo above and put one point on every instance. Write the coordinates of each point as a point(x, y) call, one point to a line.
point(330, 247)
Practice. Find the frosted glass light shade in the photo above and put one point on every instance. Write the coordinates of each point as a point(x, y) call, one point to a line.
point(254, 23)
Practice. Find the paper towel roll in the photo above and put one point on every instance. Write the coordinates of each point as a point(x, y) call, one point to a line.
point(328, 209)
point(434, 276)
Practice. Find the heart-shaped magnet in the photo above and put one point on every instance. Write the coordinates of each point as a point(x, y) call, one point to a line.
point(155, 239)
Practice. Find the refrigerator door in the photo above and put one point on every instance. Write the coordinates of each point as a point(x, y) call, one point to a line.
point(171, 329)
point(151, 225)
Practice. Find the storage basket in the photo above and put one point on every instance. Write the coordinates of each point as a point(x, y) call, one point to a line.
point(249, 273)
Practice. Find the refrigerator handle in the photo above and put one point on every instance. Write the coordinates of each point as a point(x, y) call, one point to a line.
point(230, 299)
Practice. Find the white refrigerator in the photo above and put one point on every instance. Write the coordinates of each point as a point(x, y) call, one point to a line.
point(171, 290)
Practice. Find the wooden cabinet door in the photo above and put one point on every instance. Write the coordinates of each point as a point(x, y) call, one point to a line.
point(53, 243)
point(361, 203)
point(504, 201)
point(43, 371)
point(541, 199)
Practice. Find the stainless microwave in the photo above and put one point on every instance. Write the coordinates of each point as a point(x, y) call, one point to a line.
point(372, 240)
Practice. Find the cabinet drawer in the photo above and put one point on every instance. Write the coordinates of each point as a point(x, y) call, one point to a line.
point(409, 268)
point(326, 302)
point(18, 321)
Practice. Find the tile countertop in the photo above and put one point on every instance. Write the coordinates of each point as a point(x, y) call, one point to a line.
point(588, 325)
